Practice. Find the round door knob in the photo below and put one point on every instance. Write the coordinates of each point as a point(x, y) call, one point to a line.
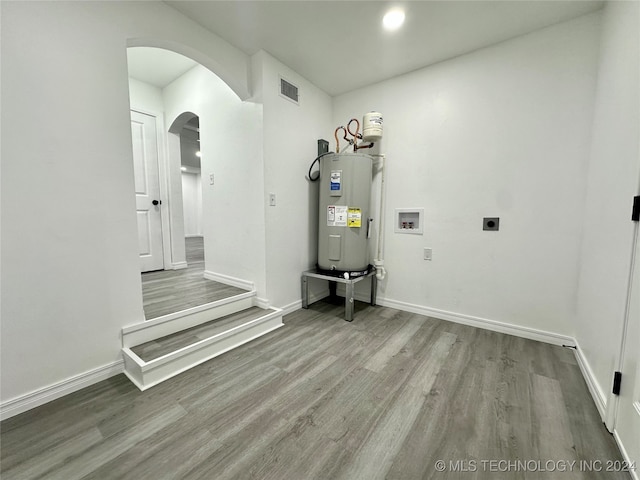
point(157, 202)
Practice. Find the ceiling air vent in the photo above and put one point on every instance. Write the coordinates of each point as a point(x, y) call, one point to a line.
point(289, 91)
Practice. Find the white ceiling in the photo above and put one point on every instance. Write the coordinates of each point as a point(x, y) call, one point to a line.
point(157, 66)
point(340, 45)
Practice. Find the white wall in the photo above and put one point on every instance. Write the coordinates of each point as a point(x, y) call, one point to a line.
point(503, 131)
point(290, 144)
point(614, 175)
point(231, 146)
point(191, 183)
point(70, 278)
point(145, 97)
point(192, 203)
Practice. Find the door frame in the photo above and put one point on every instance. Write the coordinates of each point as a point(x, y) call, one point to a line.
point(626, 342)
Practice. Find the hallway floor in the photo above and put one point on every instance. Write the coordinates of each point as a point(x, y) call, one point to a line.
point(170, 291)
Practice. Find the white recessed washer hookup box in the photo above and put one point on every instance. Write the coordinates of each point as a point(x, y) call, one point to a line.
point(409, 220)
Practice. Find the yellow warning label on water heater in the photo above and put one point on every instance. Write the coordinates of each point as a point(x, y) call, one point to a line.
point(354, 217)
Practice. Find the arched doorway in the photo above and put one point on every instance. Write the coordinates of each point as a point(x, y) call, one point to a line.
point(187, 128)
point(231, 135)
point(160, 224)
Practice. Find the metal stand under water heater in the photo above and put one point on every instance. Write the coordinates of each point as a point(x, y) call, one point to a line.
point(344, 225)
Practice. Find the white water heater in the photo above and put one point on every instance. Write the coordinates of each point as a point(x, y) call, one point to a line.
point(345, 192)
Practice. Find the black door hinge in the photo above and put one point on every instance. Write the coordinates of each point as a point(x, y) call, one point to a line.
point(635, 213)
point(617, 380)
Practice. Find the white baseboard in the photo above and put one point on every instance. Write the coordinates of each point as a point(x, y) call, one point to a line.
point(479, 322)
point(291, 307)
point(599, 398)
point(44, 395)
point(179, 265)
point(297, 305)
point(261, 302)
point(228, 280)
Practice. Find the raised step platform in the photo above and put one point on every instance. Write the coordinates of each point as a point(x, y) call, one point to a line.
point(159, 349)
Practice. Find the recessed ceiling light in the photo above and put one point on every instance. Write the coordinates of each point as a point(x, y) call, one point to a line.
point(393, 19)
point(184, 169)
point(198, 154)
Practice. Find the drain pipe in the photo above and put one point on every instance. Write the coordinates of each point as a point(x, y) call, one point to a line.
point(378, 262)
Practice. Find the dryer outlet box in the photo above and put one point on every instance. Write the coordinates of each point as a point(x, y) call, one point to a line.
point(491, 224)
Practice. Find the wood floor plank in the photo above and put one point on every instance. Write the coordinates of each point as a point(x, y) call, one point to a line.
point(42, 458)
point(377, 453)
point(242, 413)
point(279, 458)
point(237, 456)
point(161, 455)
point(375, 456)
point(393, 345)
point(89, 458)
point(551, 437)
point(218, 397)
point(430, 366)
point(512, 411)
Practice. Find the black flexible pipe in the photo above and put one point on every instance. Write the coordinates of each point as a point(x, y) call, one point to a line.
point(317, 177)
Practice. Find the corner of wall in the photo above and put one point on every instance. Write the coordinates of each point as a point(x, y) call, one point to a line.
point(597, 393)
point(256, 76)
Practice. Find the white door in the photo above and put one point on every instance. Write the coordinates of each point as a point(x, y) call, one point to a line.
point(628, 416)
point(147, 184)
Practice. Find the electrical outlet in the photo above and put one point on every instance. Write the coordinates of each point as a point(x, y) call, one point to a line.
point(428, 253)
point(272, 199)
point(211, 179)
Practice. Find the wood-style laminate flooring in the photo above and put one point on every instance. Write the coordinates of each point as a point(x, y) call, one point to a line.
point(170, 291)
point(384, 397)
